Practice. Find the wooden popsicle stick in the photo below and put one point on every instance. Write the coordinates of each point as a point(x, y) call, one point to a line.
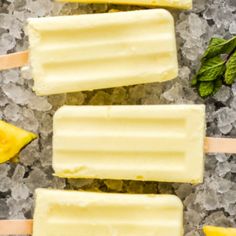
point(220, 145)
point(19, 227)
point(14, 60)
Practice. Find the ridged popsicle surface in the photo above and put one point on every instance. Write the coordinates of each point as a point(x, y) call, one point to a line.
point(86, 52)
point(70, 213)
point(153, 142)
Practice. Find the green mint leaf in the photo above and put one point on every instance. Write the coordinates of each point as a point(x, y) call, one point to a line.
point(211, 69)
point(216, 41)
point(219, 46)
point(206, 89)
point(230, 74)
point(217, 85)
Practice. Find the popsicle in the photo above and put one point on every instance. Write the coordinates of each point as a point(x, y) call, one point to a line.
point(86, 52)
point(156, 142)
point(182, 4)
point(144, 142)
point(219, 231)
point(70, 213)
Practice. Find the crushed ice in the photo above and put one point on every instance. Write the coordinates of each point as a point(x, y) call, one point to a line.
point(213, 202)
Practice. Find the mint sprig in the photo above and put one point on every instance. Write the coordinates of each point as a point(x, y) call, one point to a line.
point(218, 66)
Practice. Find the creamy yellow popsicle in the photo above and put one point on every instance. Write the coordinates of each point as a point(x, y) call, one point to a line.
point(182, 4)
point(151, 142)
point(71, 213)
point(86, 52)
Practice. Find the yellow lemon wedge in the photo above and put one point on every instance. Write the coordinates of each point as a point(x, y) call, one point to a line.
point(12, 140)
point(219, 231)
